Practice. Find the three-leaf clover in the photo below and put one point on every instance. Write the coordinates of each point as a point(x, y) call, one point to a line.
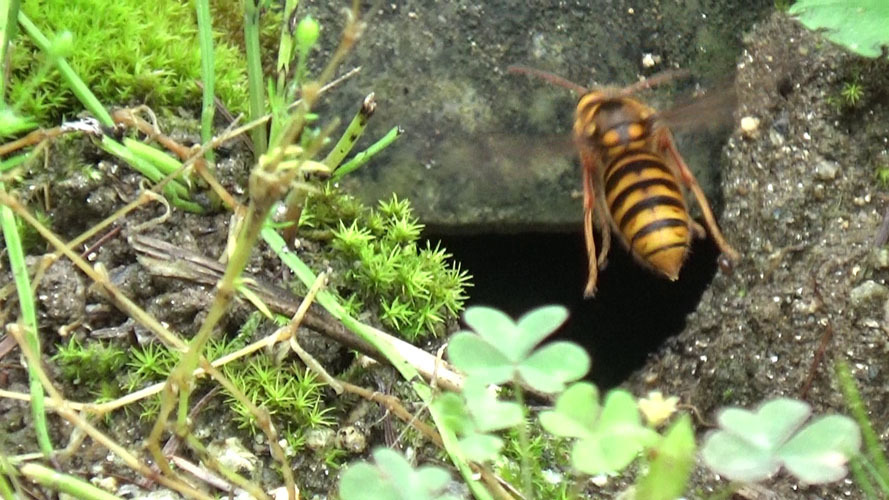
point(501, 349)
point(393, 478)
point(481, 413)
point(752, 446)
point(609, 437)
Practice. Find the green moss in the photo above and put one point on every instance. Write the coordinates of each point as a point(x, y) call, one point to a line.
point(149, 363)
point(288, 391)
point(325, 209)
point(852, 92)
point(32, 242)
point(89, 363)
point(412, 286)
point(849, 96)
point(127, 51)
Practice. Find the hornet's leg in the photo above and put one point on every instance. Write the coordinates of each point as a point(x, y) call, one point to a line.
point(601, 212)
point(589, 203)
point(665, 142)
point(653, 81)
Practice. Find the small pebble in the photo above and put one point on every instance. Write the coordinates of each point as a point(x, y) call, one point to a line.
point(870, 293)
point(826, 170)
point(749, 126)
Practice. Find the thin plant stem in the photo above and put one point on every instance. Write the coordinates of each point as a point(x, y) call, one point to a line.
point(268, 183)
point(6, 490)
point(363, 157)
point(174, 190)
point(29, 319)
point(524, 443)
point(857, 466)
point(291, 329)
point(9, 25)
point(163, 162)
point(65, 483)
point(352, 134)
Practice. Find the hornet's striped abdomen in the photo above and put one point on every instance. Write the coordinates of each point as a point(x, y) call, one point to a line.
point(648, 210)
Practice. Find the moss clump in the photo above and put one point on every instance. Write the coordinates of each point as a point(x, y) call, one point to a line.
point(288, 391)
point(90, 362)
point(411, 285)
point(126, 51)
point(93, 365)
point(852, 92)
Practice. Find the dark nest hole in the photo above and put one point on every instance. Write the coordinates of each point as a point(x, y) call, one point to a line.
point(632, 314)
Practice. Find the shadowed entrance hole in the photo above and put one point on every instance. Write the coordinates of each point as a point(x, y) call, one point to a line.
point(632, 314)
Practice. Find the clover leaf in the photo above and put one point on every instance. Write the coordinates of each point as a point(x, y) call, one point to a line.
point(500, 349)
point(393, 478)
point(471, 420)
point(858, 25)
point(752, 446)
point(609, 439)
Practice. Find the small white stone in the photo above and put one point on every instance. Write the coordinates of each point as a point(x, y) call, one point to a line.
point(649, 60)
point(233, 455)
point(749, 125)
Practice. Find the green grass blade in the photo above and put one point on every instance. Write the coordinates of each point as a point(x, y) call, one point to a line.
point(857, 466)
point(6, 490)
point(208, 76)
point(14, 161)
point(872, 449)
point(163, 162)
point(65, 483)
point(352, 134)
point(9, 11)
point(29, 318)
point(83, 93)
point(255, 86)
point(174, 190)
point(363, 157)
point(285, 47)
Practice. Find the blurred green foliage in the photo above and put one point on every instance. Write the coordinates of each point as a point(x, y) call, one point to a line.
point(858, 25)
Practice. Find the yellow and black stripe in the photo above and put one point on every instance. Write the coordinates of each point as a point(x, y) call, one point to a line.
point(649, 210)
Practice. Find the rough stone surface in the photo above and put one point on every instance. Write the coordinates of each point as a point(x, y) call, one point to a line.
point(487, 150)
point(810, 290)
